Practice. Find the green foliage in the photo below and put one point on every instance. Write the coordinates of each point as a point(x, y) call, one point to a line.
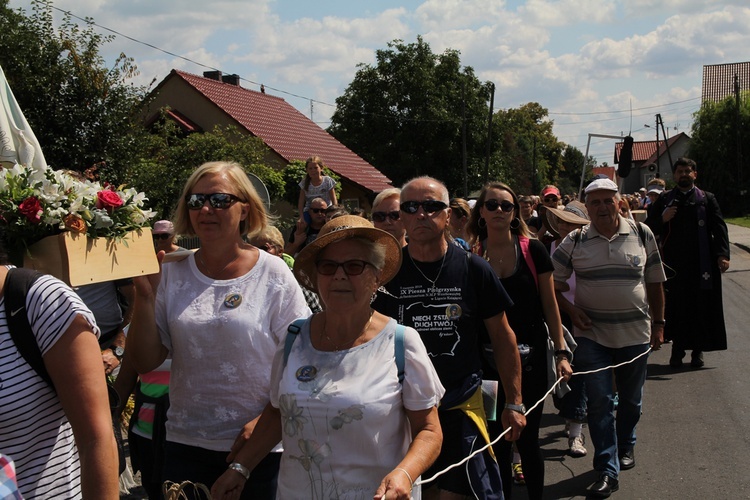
point(169, 158)
point(521, 135)
point(570, 176)
point(403, 114)
point(80, 110)
point(720, 135)
point(294, 173)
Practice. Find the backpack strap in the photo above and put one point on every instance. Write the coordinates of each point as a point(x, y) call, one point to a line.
point(398, 342)
point(17, 285)
point(524, 242)
point(291, 335)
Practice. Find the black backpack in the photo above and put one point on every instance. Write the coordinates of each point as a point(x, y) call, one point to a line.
point(17, 285)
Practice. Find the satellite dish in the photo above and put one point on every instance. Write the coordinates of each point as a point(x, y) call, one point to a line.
point(261, 189)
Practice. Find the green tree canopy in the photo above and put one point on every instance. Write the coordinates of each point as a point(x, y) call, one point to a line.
point(80, 109)
point(403, 114)
point(168, 158)
point(720, 134)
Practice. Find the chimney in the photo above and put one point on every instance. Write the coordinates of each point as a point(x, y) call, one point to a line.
point(231, 79)
point(212, 75)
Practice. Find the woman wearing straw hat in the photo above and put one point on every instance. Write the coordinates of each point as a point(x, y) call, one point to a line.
point(350, 426)
point(523, 265)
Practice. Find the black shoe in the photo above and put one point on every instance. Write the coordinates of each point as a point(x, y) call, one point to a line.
point(604, 487)
point(675, 361)
point(696, 359)
point(627, 460)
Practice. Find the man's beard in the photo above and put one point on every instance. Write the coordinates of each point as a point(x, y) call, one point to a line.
point(685, 182)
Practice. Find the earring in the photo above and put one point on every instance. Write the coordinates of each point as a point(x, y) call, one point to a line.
point(515, 223)
point(482, 223)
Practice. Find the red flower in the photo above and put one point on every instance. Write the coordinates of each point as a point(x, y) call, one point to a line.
point(108, 200)
point(32, 209)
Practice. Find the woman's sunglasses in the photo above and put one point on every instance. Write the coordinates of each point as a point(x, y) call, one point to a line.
point(493, 205)
point(162, 236)
point(429, 206)
point(382, 216)
point(351, 267)
point(219, 201)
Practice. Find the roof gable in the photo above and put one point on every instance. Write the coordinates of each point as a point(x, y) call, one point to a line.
point(285, 130)
point(645, 151)
point(719, 83)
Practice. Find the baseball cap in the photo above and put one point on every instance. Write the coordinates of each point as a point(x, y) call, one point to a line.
point(163, 227)
point(601, 184)
point(550, 190)
point(655, 190)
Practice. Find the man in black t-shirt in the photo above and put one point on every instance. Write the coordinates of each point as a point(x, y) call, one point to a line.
point(449, 296)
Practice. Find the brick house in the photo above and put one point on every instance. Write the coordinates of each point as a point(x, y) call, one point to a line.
point(199, 103)
point(648, 160)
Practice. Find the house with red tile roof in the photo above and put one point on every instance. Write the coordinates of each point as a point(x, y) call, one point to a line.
point(652, 159)
point(199, 103)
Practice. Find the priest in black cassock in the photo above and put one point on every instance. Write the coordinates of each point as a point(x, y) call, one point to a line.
point(695, 250)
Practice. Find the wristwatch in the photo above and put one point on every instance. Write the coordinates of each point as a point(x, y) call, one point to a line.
point(118, 351)
point(517, 408)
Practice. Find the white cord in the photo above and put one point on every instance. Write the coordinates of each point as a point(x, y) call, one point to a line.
point(480, 450)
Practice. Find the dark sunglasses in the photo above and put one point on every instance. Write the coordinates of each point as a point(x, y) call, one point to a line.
point(318, 210)
point(429, 206)
point(382, 216)
point(504, 205)
point(551, 198)
point(162, 236)
point(351, 267)
point(221, 201)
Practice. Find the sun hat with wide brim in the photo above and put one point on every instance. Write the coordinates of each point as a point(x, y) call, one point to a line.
point(574, 213)
point(343, 228)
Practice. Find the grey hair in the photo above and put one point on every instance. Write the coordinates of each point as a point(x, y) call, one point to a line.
point(385, 194)
point(445, 198)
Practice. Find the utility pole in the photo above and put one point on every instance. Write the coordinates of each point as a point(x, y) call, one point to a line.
point(738, 128)
point(489, 135)
point(659, 121)
point(463, 139)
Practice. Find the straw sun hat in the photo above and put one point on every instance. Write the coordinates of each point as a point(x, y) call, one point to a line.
point(574, 213)
point(343, 228)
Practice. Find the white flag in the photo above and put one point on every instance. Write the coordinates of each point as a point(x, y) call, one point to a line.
point(18, 143)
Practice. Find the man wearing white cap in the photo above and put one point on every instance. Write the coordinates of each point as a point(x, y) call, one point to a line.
point(618, 313)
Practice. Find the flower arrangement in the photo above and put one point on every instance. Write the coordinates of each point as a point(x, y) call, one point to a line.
point(38, 203)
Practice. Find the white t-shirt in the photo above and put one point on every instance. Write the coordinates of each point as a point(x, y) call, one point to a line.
point(344, 427)
point(322, 191)
point(34, 431)
point(221, 355)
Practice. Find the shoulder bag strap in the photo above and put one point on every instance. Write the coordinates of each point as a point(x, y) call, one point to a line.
point(400, 351)
point(291, 335)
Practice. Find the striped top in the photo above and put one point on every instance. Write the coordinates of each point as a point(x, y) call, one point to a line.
point(611, 278)
point(33, 427)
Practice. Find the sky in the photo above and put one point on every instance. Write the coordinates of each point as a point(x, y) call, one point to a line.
point(599, 66)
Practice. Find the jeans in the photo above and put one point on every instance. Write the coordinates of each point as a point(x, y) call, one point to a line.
point(612, 438)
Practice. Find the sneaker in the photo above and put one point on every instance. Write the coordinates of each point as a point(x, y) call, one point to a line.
point(576, 446)
point(696, 359)
point(518, 474)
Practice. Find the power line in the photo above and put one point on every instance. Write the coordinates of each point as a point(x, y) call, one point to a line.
point(624, 110)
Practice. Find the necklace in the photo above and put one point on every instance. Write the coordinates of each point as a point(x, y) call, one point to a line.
point(432, 282)
point(203, 263)
point(500, 261)
point(338, 347)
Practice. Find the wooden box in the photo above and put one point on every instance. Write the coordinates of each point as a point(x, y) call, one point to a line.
point(79, 260)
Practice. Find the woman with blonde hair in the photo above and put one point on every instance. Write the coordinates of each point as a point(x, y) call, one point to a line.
point(219, 314)
point(499, 234)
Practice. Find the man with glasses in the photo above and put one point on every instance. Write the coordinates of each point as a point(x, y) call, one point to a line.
point(163, 233)
point(386, 214)
point(695, 248)
point(449, 296)
point(306, 233)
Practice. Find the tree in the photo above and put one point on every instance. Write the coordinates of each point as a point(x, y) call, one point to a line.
point(82, 112)
point(526, 154)
point(403, 114)
point(572, 163)
point(170, 157)
point(720, 134)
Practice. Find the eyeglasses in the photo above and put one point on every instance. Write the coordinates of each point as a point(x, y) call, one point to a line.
point(551, 198)
point(429, 206)
point(351, 267)
point(219, 201)
point(318, 210)
point(162, 236)
point(504, 205)
point(382, 216)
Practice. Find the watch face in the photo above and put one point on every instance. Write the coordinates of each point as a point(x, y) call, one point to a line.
point(118, 351)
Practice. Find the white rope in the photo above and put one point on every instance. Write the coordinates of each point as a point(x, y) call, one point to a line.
point(480, 450)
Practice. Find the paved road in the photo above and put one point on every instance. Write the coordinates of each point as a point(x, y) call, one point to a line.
point(694, 436)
